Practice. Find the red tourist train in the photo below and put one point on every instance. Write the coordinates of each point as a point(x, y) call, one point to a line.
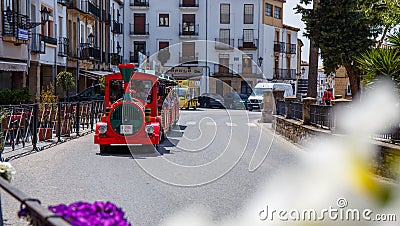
point(140, 107)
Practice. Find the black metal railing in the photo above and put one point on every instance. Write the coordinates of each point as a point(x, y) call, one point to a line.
point(296, 110)
point(88, 52)
point(141, 3)
point(12, 22)
point(192, 4)
point(105, 16)
point(224, 43)
point(322, 116)
point(247, 44)
point(188, 29)
point(190, 59)
point(93, 9)
point(134, 56)
point(280, 107)
point(249, 69)
point(37, 44)
point(63, 46)
point(38, 214)
point(285, 74)
point(223, 69)
point(279, 47)
point(116, 27)
point(391, 133)
point(49, 40)
point(291, 48)
point(63, 2)
point(139, 29)
point(33, 127)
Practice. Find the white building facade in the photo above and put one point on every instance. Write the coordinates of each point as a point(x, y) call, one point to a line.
point(238, 43)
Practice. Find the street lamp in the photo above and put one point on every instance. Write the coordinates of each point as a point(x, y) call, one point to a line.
point(44, 13)
point(260, 60)
point(303, 71)
point(91, 39)
point(118, 48)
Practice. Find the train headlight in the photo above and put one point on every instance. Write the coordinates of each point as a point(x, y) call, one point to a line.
point(149, 129)
point(102, 128)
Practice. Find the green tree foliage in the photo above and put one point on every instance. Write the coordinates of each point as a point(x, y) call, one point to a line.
point(342, 30)
point(380, 62)
point(394, 39)
point(65, 80)
point(19, 96)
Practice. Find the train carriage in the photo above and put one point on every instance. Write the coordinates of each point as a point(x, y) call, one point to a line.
point(140, 107)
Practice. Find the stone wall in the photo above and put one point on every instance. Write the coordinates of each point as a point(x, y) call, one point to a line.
point(387, 159)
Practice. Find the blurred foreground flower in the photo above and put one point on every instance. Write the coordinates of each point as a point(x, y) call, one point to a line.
point(87, 214)
point(6, 171)
point(333, 183)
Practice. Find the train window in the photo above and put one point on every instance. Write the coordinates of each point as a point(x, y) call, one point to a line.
point(141, 89)
point(116, 90)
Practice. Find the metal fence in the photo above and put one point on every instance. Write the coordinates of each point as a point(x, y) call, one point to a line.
point(280, 107)
point(33, 127)
point(38, 215)
point(321, 115)
point(296, 110)
point(391, 134)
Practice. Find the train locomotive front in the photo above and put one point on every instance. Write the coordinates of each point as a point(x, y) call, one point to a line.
point(134, 112)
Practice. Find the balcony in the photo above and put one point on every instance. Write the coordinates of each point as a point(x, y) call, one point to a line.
point(116, 27)
point(15, 28)
point(249, 70)
point(189, 4)
point(224, 44)
point(220, 70)
point(247, 44)
point(115, 58)
point(139, 4)
point(85, 6)
point(291, 48)
point(188, 30)
point(63, 46)
point(134, 56)
point(49, 40)
point(279, 47)
point(188, 59)
point(37, 44)
point(285, 74)
point(105, 16)
point(63, 2)
point(139, 29)
point(88, 52)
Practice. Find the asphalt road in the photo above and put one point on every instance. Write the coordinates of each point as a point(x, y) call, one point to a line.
point(209, 159)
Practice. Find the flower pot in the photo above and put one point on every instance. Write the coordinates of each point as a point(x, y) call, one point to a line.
point(44, 134)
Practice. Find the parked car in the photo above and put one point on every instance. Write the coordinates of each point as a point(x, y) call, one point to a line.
point(257, 96)
point(210, 100)
point(236, 100)
point(95, 92)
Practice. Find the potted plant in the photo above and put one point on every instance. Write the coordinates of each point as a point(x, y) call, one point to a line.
point(47, 112)
point(65, 80)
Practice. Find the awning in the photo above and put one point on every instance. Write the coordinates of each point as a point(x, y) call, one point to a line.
point(12, 66)
point(95, 74)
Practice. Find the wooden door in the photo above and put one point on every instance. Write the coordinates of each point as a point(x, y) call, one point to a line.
point(139, 23)
point(247, 63)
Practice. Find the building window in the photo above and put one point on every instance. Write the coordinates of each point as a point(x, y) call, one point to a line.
point(277, 12)
point(248, 14)
point(164, 20)
point(225, 11)
point(163, 45)
point(268, 10)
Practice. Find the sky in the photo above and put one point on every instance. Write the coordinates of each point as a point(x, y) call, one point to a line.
point(292, 19)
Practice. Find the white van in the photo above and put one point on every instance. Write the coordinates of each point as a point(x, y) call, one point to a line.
point(257, 96)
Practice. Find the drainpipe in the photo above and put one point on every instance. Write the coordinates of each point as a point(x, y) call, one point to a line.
point(207, 75)
point(55, 10)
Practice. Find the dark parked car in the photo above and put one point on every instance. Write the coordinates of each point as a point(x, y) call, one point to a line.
point(236, 100)
point(95, 92)
point(210, 100)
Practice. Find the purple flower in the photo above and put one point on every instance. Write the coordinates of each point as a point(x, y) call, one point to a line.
point(87, 214)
